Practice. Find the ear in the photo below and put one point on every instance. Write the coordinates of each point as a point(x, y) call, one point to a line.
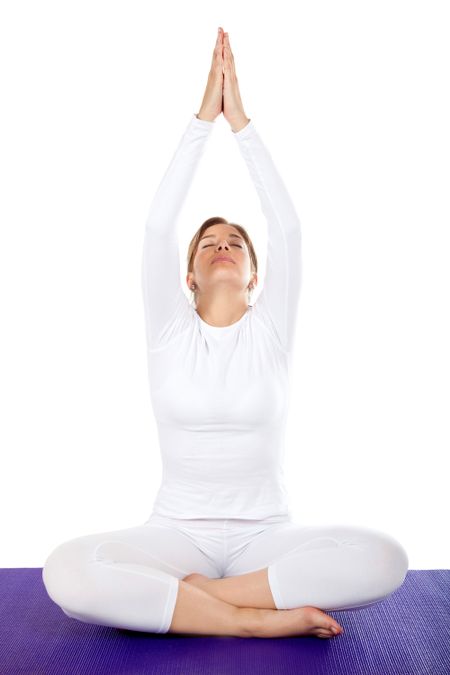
point(190, 280)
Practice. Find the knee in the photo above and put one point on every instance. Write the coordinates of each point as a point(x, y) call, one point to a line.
point(61, 576)
point(390, 563)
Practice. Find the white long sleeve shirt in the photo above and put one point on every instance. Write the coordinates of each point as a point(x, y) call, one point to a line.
point(220, 394)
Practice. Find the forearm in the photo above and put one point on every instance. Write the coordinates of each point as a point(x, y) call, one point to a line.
point(174, 186)
point(275, 199)
point(283, 269)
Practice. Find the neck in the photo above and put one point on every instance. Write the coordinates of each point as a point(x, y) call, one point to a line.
point(221, 315)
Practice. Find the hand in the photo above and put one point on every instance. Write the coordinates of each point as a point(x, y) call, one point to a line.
point(233, 110)
point(212, 100)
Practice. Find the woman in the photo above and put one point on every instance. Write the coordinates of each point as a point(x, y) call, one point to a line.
point(220, 554)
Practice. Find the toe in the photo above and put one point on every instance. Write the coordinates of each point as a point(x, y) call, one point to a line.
point(337, 630)
point(324, 633)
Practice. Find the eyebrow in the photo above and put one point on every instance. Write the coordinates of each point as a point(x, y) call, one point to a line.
point(213, 235)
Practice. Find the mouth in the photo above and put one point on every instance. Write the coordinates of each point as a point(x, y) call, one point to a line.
point(222, 260)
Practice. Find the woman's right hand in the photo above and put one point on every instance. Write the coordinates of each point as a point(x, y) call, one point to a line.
point(212, 99)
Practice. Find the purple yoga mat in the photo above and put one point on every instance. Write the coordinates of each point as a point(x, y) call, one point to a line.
point(406, 634)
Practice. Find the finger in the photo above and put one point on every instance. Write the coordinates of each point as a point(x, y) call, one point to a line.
point(219, 41)
point(226, 58)
point(226, 42)
point(229, 59)
point(226, 39)
point(218, 48)
point(226, 51)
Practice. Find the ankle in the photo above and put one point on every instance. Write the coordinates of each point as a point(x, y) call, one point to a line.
point(251, 621)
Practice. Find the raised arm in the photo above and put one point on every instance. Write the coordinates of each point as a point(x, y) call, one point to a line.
point(164, 299)
point(278, 302)
point(162, 291)
point(280, 295)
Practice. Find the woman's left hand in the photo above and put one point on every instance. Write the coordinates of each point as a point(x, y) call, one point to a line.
point(233, 110)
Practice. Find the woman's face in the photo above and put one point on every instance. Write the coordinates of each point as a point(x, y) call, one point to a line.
point(210, 272)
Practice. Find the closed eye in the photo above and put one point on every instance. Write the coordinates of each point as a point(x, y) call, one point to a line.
point(206, 245)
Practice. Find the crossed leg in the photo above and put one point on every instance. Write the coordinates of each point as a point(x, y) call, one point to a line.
point(252, 590)
point(243, 590)
point(328, 567)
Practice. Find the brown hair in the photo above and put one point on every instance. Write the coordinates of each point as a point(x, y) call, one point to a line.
point(217, 220)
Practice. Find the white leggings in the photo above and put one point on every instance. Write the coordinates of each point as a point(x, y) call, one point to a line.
point(129, 578)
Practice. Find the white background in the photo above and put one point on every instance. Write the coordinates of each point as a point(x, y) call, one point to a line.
point(352, 100)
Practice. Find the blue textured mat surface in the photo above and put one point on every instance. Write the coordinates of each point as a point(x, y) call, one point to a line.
point(406, 634)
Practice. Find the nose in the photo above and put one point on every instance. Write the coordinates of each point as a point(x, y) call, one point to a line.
point(219, 246)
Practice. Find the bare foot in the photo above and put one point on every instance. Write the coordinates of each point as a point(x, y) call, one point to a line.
point(282, 622)
point(298, 621)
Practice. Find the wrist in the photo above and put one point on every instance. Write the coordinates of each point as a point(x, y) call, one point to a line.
point(204, 116)
point(240, 123)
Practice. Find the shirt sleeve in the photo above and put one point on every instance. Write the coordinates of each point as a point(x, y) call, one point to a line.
point(279, 298)
point(162, 292)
